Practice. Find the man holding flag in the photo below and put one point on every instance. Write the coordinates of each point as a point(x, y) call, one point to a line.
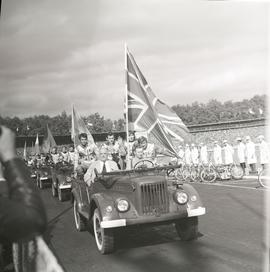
point(85, 147)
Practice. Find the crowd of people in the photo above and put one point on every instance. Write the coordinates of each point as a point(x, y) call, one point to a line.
point(244, 152)
point(117, 154)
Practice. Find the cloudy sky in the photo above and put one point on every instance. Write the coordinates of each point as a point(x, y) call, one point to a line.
point(55, 52)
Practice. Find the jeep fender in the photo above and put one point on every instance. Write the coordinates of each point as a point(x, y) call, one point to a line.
point(102, 201)
point(191, 191)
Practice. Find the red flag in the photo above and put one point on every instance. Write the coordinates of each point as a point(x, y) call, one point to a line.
point(77, 127)
point(147, 113)
point(48, 141)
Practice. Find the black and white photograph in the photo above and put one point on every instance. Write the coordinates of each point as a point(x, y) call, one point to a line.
point(134, 136)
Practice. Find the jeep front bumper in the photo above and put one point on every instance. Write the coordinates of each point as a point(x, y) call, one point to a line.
point(151, 219)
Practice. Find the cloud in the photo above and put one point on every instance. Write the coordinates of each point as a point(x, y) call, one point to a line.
point(57, 52)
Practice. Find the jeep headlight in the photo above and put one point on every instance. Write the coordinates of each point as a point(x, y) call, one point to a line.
point(122, 205)
point(181, 197)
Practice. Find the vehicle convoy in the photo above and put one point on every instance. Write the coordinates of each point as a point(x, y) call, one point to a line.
point(61, 181)
point(43, 176)
point(140, 196)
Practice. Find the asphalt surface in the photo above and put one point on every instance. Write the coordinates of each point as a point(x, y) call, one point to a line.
point(231, 237)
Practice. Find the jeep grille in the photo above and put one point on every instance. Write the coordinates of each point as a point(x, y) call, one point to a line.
point(154, 198)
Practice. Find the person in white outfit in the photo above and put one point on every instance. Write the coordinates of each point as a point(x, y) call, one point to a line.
point(181, 155)
point(241, 153)
point(194, 154)
point(203, 154)
point(102, 165)
point(228, 153)
point(250, 154)
point(187, 155)
point(263, 152)
point(217, 153)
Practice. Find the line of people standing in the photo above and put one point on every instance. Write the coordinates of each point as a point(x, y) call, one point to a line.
point(244, 153)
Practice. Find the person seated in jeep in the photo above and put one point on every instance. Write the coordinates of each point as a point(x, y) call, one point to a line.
point(113, 147)
point(54, 155)
point(61, 162)
point(150, 150)
point(102, 165)
point(85, 154)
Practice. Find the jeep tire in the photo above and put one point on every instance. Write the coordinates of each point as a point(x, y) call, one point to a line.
point(80, 222)
point(187, 228)
point(104, 237)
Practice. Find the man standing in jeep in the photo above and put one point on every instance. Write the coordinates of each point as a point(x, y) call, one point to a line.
point(84, 153)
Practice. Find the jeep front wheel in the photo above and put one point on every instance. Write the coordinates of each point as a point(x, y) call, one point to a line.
point(187, 228)
point(104, 237)
point(80, 222)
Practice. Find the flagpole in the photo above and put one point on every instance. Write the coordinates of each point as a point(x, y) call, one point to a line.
point(126, 109)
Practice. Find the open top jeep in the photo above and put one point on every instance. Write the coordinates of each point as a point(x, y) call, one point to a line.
point(130, 197)
point(61, 181)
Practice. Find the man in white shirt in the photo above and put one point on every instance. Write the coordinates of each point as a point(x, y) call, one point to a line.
point(250, 154)
point(217, 154)
point(241, 153)
point(54, 155)
point(228, 153)
point(85, 153)
point(263, 151)
point(102, 165)
point(71, 155)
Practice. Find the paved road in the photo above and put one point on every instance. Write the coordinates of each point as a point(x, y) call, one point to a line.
point(231, 237)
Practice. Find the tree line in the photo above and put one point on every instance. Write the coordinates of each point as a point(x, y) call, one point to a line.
point(197, 113)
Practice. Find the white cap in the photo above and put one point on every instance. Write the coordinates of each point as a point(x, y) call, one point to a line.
point(260, 137)
point(238, 139)
point(225, 141)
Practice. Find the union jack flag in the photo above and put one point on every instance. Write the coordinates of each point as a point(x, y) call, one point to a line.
point(149, 114)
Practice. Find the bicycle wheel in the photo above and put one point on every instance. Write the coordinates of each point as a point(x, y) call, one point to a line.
point(208, 175)
point(237, 172)
point(194, 174)
point(264, 178)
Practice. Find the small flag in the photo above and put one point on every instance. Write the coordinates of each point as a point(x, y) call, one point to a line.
point(24, 152)
point(251, 111)
point(48, 141)
point(77, 127)
point(37, 149)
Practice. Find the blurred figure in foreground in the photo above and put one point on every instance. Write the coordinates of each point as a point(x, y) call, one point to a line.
point(22, 214)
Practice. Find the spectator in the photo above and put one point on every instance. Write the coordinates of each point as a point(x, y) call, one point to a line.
point(263, 152)
point(112, 147)
point(188, 159)
point(203, 154)
point(228, 153)
point(241, 151)
point(250, 154)
point(194, 154)
point(181, 155)
point(217, 153)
